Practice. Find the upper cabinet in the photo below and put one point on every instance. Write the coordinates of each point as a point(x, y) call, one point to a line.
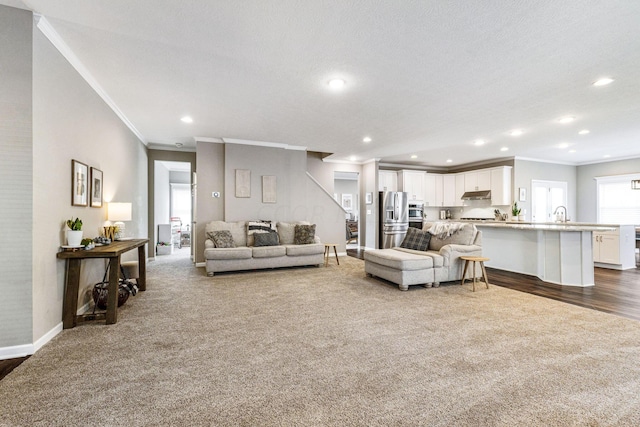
point(477, 180)
point(501, 185)
point(387, 180)
point(413, 182)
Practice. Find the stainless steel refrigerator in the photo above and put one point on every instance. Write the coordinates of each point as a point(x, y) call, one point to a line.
point(394, 218)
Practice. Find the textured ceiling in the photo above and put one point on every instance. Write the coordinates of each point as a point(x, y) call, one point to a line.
point(422, 77)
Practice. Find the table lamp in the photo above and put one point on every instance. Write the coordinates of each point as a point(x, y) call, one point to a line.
point(117, 213)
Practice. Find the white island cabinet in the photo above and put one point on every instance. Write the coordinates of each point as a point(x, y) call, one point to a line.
point(615, 249)
point(559, 253)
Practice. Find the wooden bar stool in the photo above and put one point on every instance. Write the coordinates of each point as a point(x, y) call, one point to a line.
point(473, 260)
point(327, 251)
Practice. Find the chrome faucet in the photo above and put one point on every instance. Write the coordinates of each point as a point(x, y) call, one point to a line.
point(564, 215)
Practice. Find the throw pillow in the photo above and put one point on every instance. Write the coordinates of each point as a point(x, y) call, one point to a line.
point(254, 227)
point(222, 239)
point(304, 234)
point(286, 231)
point(416, 239)
point(266, 239)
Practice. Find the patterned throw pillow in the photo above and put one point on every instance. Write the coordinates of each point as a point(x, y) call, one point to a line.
point(255, 227)
point(222, 239)
point(304, 234)
point(416, 239)
point(266, 239)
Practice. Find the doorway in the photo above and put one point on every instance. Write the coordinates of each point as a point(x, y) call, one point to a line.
point(546, 196)
point(173, 208)
point(346, 190)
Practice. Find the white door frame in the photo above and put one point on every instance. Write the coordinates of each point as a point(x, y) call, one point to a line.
point(548, 185)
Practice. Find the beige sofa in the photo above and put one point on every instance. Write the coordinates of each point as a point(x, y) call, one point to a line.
point(440, 263)
point(245, 256)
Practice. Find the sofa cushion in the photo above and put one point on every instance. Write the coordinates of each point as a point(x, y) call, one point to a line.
point(286, 231)
point(464, 236)
point(304, 234)
point(237, 229)
point(260, 226)
point(399, 259)
point(416, 239)
point(266, 239)
point(222, 239)
point(228, 253)
point(438, 260)
point(299, 250)
point(268, 251)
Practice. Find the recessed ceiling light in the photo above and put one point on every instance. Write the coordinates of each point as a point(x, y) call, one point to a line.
point(414, 156)
point(516, 132)
point(366, 139)
point(504, 149)
point(449, 160)
point(187, 119)
point(336, 84)
point(606, 156)
point(479, 142)
point(563, 145)
point(352, 158)
point(603, 81)
point(572, 151)
point(584, 132)
point(567, 119)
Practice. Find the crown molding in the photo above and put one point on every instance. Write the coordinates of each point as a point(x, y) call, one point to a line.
point(52, 35)
point(263, 144)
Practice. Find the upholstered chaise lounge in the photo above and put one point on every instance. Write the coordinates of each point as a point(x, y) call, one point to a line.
point(440, 262)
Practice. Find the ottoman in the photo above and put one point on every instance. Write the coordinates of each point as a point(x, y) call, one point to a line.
point(400, 267)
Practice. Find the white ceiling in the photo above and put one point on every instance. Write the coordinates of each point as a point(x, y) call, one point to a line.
point(423, 77)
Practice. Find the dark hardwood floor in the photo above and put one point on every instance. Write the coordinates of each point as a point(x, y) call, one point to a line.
point(616, 292)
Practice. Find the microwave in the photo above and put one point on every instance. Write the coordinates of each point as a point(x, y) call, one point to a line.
point(416, 211)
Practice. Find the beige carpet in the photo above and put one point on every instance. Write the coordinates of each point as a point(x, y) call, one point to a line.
point(330, 347)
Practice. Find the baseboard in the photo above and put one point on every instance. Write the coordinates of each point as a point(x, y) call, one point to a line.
point(17, 351)
point(201, 264)
point(83, 309)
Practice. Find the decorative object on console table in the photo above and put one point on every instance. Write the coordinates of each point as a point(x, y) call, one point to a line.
point(74, 233)
point(119, 212)
point(96, 188)
point(243, 183)
point(79, 183)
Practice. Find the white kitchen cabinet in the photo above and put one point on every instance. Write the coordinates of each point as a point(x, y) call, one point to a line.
point(459, 189)
point(477, 180)
point(501, 186)
point(449, 190)
point(615, 249)
point(439, 189)
point(431, 192)
point(413, 182)
point(387, 180)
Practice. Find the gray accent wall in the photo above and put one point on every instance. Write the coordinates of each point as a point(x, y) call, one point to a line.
point(586, 184)
point(525, 171)
point(211, 172)
point(16, 170)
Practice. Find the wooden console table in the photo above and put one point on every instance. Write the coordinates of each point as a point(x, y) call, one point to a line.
point(72, 281)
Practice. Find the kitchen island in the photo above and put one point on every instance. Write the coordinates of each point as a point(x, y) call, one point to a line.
point(559, 253)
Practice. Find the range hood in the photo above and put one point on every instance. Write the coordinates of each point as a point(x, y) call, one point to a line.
point(477, 195)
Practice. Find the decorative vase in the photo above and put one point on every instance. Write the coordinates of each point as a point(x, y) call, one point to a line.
point(521, 217)
point(74, 237)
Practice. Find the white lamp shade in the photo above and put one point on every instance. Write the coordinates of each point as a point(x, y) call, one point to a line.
point(119, 211)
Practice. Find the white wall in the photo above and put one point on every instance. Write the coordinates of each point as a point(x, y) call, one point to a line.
point(70, 121)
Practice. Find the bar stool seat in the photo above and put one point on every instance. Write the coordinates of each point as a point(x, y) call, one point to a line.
point(473, 260)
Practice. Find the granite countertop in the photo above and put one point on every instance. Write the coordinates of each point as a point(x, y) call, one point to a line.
point(559, 226)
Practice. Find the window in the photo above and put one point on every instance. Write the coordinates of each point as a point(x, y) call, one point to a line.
point(181, 203)
point(617, 202)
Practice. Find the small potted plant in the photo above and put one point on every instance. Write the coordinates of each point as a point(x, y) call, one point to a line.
point(515, 211)
point(74, 233)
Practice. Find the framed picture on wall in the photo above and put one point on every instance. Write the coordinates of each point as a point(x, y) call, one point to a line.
point(243, 183)
point(96, 188)
point(79, 183)
point(269, 190)
point(347, 202)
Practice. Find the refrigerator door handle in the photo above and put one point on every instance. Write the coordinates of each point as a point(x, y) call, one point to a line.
point(396, 214)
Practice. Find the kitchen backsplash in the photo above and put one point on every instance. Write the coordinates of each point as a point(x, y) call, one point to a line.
point(475, 209)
